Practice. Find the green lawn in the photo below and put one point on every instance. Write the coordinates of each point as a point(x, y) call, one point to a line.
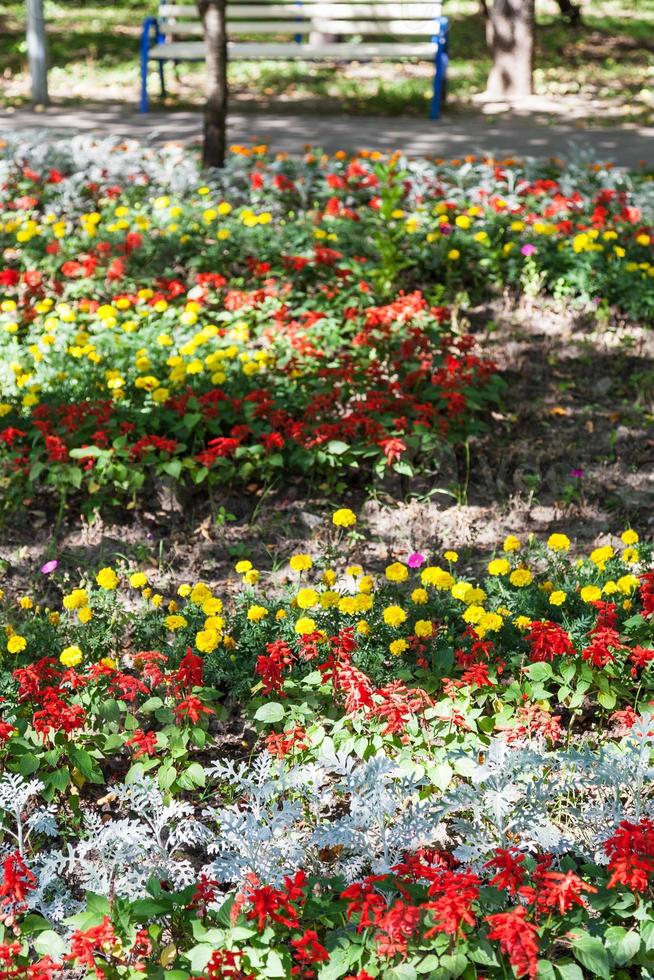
point(605, 71)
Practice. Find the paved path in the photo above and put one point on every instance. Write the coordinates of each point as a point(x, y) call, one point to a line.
point(417, 137)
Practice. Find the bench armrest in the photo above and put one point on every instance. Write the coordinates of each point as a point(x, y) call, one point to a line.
point(150, 35)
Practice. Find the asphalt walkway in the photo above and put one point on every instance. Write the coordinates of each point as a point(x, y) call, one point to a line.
point(416, 137)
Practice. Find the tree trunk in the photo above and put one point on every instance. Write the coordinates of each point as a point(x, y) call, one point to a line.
point(510, 39)
point(571, 11)
point(212, 13)
point(37, 53)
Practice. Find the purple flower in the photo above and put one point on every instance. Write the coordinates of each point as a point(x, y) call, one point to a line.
point(415, 560)
point(577, 474)
point(50, 566)
point(528, 249)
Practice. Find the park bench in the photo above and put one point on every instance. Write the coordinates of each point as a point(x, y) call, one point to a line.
point(357, 30)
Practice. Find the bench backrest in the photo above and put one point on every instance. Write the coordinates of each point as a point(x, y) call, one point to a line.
point(359, 18)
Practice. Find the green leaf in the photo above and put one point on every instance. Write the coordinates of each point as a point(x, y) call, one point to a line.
point(569, 971)
point(88, 767)
point(88, 451)
point(622, 945)
point(590, 952)
point(540, 671)
point(269, 713)
point(336, 447)
point(50, 943)
point(274, 965)
point(607, 699)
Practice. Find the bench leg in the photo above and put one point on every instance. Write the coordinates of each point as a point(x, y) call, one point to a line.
point(162, 80)
point(440, 69)
point(143, 105)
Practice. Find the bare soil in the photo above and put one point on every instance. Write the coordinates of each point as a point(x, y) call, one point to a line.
point(570, 449)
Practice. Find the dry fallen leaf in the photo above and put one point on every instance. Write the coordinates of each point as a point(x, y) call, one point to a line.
point(559, 410)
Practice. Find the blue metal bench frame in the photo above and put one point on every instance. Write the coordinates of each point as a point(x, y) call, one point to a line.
point(151, 35)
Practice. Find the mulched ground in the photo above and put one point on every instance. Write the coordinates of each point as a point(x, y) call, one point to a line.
point(571, 449)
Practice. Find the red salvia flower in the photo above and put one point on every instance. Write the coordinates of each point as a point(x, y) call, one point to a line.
point(518, 939)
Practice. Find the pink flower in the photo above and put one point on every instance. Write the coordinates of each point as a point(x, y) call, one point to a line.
point(528, 249)
point(50, 566)
point(415, 560)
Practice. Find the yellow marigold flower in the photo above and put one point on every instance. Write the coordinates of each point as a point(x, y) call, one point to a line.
point(16, 643)
point(521, 577)
point(243, 566)
point(475, 596)
point(354, 570)
point(557, 598)
point(397, 572)
point(630, 555)
point(251, 577)
point(85, 615)
point(627, 605)
point(206, 641)
point(499, 566)
point(348, 605)
point(138, 579)
point(452, 556)
point(184, 591)
point(109, 662)
point(591, 593)
point(214, 623)
point(307, 598)
point(394, 616)
point(419, 596)
point(329, 576)
point(257, 613)
point(454, 254)
point(600, 556)
point(147, 593)
point(423, 628)
point(71, 656)
point(629, 537)
point(439, 578)
point(491, 622)
point(54, 618)
point(522, 623)
point(175, 622)
point(474, 614)
point(212, 606)
point(365, 584)
point(200, 593)
point(363, 627)
point(76, 599)
point(107, 579)
point(25, 602)
point(627, 583)
point(344, 517)
point(305, 625)
point(329, 599)
point(301, 563)
point(397, 647)
point(610, 588)
point(460, 590)
point(558, 542)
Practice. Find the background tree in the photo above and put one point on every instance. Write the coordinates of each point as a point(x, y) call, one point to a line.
point(212, 14)
point(37, 52)
point(510, 39)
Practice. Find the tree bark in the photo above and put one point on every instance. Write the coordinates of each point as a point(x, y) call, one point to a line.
point(212, 13)
point(510, 39)
point(37, 52)
point(571, 11)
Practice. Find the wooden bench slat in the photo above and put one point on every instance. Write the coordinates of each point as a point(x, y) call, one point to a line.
point(194, 51)
point(323, 25)
point(354, 8)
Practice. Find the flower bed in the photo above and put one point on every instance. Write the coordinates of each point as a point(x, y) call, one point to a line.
point(284, 316)
point(335, 773)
